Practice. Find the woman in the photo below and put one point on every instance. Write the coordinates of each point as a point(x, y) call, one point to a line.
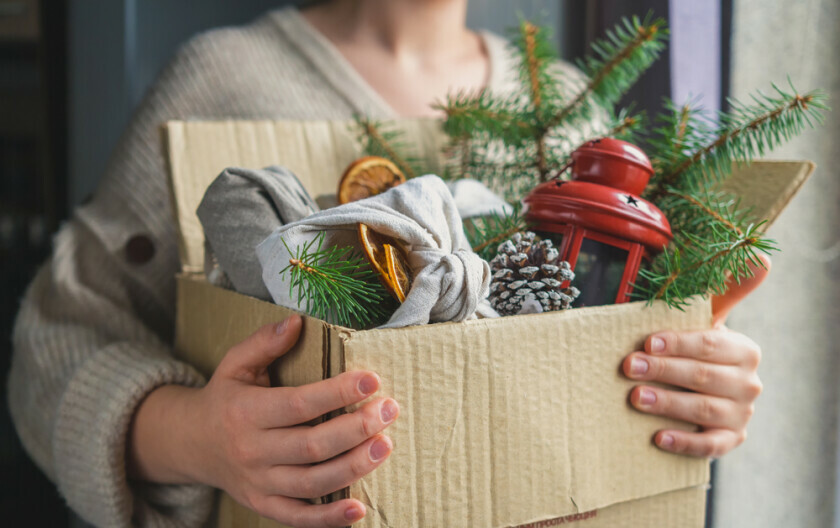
point(122, 427)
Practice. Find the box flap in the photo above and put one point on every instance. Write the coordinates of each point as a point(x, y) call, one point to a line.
point(316, 151)
point(768, 186)
point(540, 391)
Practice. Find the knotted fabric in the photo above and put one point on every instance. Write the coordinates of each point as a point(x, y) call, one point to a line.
point(450, 283)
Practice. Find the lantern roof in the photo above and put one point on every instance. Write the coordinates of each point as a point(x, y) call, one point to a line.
point(612, 162)
point(608, 175)
point(600, 208)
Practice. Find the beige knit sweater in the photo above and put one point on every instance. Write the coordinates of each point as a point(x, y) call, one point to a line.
point(94, 331)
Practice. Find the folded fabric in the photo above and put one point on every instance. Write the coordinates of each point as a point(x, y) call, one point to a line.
point(473, 198)
point(451, 283)
point(239, 210)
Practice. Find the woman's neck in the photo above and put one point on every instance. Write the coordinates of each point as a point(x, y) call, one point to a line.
point(403, 28)
point(411, 52)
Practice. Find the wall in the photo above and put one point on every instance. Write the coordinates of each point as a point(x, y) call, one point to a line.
point(117, 47)
point(785, 474)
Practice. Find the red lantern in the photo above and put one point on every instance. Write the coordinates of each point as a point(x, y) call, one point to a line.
point(598, 221)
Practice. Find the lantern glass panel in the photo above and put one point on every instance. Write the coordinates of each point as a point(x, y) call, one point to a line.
point(598, 273)
point(556, 238)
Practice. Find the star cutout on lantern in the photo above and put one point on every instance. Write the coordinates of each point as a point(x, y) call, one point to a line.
point(631, 200)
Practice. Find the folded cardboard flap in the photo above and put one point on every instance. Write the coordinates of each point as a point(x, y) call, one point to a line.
point(519, 421)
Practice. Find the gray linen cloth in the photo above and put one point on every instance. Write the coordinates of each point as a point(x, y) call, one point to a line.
point(451, 283)
point(239, 210)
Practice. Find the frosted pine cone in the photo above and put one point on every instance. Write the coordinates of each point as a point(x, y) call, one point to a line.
point(527, 270)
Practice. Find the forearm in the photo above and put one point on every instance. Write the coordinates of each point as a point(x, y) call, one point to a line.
point(164, 443)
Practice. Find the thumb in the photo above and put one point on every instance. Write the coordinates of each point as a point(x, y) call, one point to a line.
point(736, 292)
point(250, 359)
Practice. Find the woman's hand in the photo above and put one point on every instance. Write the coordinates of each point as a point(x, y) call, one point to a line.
point(242, 436)
point(718, 366)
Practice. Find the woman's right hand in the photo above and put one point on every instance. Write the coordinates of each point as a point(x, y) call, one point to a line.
point(248, 439)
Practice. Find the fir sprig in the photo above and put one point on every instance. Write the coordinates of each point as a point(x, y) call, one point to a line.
point(378, 140)
point(692, 266)
point(746, 132)
point(336, 284)
point(486, 233)
point(472, 115)
point(616, 64)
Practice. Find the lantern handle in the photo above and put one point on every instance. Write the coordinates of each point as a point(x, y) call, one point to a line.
point(563, 169)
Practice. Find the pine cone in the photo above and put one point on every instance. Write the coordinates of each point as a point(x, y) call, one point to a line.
point(529, 270)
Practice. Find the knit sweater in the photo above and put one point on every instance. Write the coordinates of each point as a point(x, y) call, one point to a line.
point(93, 336)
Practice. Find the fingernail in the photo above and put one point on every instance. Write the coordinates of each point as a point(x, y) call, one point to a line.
point(647, 397)
point(281, 328)
point(657, 344)
point(388, 411)
point(666, 441)
point(368, 384)
point(379, 450)
point(353, 513)
point(638, 366)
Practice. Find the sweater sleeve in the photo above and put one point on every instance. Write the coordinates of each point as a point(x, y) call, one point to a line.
point(92, 336)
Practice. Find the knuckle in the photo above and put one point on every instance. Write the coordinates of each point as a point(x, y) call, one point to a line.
point(358, 468)
point(297, 406)
point(749, 412)
point(753, 355)
point(709, 343)
point(233, 415)
point(255, 503)
point(708, 412)
point(755, 388)
point(741, 438)
point(347, 392)
point(365, 427)
point(658, 367)
point(713, 448)
point(311, 449)
point(306, 488)
point(702, 375)
point(243, 453)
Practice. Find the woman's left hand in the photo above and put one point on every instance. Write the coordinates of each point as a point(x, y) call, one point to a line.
point(718, 367)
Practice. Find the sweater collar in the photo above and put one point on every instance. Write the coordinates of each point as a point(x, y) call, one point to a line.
point(344, 78)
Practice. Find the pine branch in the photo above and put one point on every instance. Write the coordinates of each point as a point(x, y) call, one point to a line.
point(709, 208)
point(619, 61)
point(486, 233)
point(469, 116)
point(625, 126)
point(534, 64)
point(699, 265)
point(747, 132)
point(385, 144)
point(336, 285)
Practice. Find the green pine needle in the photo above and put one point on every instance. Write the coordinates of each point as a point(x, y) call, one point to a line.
point(486, 233)
point(616, 64)
point(378, 140)
point(747, 132)
point(337, 285)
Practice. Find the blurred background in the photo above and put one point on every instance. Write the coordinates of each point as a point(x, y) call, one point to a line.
point(71, 71)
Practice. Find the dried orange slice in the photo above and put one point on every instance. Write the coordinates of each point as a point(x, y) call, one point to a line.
point(388, 259)
point(397, 272)
point(367, 177)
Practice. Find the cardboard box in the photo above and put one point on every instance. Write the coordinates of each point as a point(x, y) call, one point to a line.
point(512, 422)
